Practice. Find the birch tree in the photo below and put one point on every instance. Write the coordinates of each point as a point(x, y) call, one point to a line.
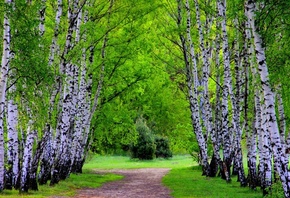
point(236, 100)
point(226, 130)
point(4, 77)
point(48, 152)
point(12, 144)
point(256, 126)
point(64, 126)
point(192, 84)
point(279, 155)
point(27, 158)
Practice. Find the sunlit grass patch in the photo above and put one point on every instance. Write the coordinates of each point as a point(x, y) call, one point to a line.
point(189, 183)
point(117, 162)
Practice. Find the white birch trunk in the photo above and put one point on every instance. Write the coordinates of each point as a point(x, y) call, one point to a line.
point(205, 57)
point(89, 109)
point(77, 101)
point(192, 79)
point(282, 119)
point(46, 158)
point(266, 155)
point(75, 135)
point(84, 101)
point(56, 32)
point(77, 141)
point(87, 120)
point(235, 101)
point(65, 125)
point(208, 117)
point(27, 157)
point(226, 130)
point(12, 141)
point(251, 137)
point(49, 151)
point(216, 136)
point(279, 155)
point(42, 18)
point(3, 84)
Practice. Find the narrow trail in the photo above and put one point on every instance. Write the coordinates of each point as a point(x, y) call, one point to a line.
point(137, 183)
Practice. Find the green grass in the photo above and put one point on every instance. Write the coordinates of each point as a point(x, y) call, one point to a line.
point(184, 179)
point(189, 183)
point(119, 162)
point(67, 187)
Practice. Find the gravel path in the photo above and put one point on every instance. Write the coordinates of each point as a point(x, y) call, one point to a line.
point(137, 183)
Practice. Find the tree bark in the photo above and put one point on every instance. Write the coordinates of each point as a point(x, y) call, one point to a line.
point(226, 130)
point(62, 159)
point(251, 137)
point(271, 121)
point(3, 83)
point(48, 152)
point(27, 158)
point(192, 84)
point(12, 144)
point(236, 98)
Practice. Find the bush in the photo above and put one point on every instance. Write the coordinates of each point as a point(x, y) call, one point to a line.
point(162, 147)
point(149, 146)
point(275, 191)
point(145, 147)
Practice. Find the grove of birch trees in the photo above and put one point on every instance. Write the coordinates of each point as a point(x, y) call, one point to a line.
point(211, 75)
point(227, 43)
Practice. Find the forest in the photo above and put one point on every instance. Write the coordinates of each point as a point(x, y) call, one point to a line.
point(209, 76)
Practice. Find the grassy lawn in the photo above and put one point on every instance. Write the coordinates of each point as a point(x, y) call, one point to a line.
point(189, 183)
point(65, 188)
point(184, 179)
point(118, 162)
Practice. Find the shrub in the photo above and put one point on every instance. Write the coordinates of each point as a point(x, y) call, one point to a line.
point(145, 147)
point(162, 147)
point(149, 146)
point(275, 191)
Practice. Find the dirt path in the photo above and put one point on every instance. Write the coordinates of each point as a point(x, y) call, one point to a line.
point(137, 183)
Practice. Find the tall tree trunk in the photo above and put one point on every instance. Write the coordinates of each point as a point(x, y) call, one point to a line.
point(251, 137)
point(45, 161)
point(192, 83)
point(205, 60)
point(279, 155)
point(78, 100)
point(216, 137)
point(48, 151)
point(3, 83)
point(236, 98)
point(64, 127)
point(12, 144)
point(56, 32)
point(266, 154)
point(226, 129)
point(208, 117)
point(87, 110)
point(42, 18)
point(37, 158)
point(282, 118)
point(27, 158)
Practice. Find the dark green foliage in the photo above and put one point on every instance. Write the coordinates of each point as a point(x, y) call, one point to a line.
point(148, 145)
point(162, 147)
point(275, 191)
point(145, 147)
